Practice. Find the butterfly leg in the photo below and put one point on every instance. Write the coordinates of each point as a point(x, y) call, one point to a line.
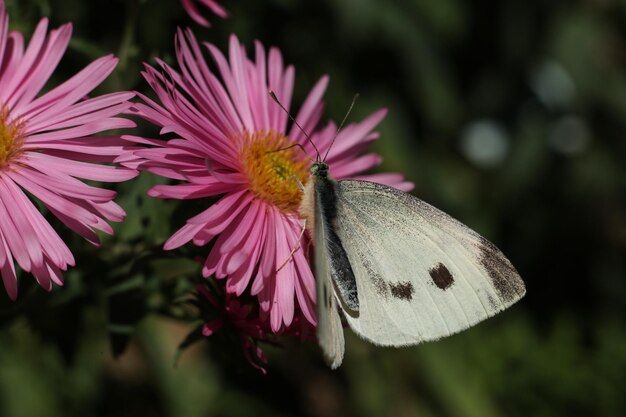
point(300, 185)
point(296, 247)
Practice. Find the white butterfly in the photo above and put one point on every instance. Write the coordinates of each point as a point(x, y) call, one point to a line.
point(401, 271)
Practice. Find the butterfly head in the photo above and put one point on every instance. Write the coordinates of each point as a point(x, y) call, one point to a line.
point(319, 169)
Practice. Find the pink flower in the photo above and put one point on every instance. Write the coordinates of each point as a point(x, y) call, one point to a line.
point(195, 14)
point(44, 149)
point(230, 141)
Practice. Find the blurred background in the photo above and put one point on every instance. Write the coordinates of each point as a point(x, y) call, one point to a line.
point(510, 116)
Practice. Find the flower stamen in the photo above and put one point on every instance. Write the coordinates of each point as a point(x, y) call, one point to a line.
point(270, 164)
point(11, 137)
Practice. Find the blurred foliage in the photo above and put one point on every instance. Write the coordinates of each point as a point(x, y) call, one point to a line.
point(511, 116)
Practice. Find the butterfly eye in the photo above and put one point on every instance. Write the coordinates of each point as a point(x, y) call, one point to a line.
point(319, 168)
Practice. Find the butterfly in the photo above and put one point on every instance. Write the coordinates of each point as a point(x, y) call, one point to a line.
point(400, 271)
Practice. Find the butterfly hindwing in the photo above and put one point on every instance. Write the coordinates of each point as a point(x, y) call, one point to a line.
point(329, 326)
point(420, 274)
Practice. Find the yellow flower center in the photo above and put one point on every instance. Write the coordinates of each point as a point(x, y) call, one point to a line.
point(11, 137)
point(272, 167)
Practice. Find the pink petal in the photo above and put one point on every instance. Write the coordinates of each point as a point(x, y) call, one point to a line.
point(258, 90)
point(48, 163)
point(12, 56)
point(84, 112)
point(25, 64)
point(79, 227)
point(189, 191)
point(182, 236)
point(311, 109)
point(11, 233)
point(357, 165)
point(71, 187)
point(86, 129)
point(354, 133)
point(390, 179)
point(54, 201)
point(215, 7)
point(224, 210)
point(7, 269)
point(194, 13)
point(238, 60)
point(4, 30)
point(247, 228)
point(58, 99)
point(212, 326)
point(278, 118)
point(50, 242)
point(284, 297)
point(48, 60)
point(16, 209)
point(234, 92)
point(266, 266)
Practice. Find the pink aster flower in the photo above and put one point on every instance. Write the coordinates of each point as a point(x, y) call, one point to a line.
point(230, 140)
point(195, 14)
point(44, 150)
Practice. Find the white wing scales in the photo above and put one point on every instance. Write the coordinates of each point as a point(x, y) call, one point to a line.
point(421, 275)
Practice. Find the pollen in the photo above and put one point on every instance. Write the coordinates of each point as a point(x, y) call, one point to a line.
point(11, 137)
point(274, 166)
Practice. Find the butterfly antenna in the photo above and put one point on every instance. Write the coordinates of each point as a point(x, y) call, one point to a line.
point(341, 125)
point(295, 145)
point(306, 135)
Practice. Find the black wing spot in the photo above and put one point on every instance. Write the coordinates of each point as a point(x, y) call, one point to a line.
point(441, 276)
point(402, 290)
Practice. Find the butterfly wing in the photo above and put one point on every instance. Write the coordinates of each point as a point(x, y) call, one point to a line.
point(421, 275)
point(329, 327)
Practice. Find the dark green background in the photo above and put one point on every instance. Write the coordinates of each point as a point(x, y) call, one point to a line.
point(508, 115)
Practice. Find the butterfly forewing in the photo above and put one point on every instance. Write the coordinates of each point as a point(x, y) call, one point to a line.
point(420, 274)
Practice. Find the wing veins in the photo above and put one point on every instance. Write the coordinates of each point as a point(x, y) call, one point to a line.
point(363, 232)
point(454, 236)
point(430, 296)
